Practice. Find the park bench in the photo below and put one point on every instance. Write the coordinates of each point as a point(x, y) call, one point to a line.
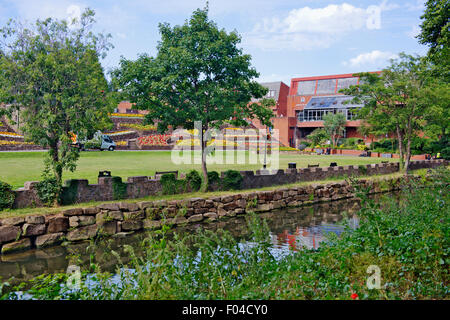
point(384, 161)
point(333, 164)
point(313, 165)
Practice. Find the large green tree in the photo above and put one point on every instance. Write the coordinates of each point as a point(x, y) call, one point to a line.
point(435, 32)
point(334, 126)
point(51, 72)
point(397, 100)
point(199, 74)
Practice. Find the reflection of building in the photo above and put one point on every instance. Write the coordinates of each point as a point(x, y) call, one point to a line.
point(309, 237)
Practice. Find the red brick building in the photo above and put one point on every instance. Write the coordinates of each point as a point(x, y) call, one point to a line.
point(300, 108)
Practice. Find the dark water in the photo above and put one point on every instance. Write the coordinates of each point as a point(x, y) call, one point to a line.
point(290, 229)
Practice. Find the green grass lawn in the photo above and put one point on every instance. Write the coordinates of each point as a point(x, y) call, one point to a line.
point(18, 167)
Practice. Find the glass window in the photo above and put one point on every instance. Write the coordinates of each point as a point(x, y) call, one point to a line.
point(326, 86)
point(344, 83)
point(306, 87)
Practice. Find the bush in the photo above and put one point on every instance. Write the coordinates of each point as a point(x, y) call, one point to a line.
point(48, 189)
point(119, 188)
point(194, 180)
point(7, 196)
point(170, 184)
point(69, 192)
point(232, 180)
point(92, 144)
point(213, 178)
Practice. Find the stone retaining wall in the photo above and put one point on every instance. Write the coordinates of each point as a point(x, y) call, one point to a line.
point(21, 233)
point(142, 186)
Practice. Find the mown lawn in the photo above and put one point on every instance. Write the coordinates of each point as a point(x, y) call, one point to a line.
point(18, 167)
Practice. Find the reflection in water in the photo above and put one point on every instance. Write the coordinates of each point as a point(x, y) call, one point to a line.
point(290, 229)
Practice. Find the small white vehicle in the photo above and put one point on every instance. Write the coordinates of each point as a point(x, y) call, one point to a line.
point(100, 141)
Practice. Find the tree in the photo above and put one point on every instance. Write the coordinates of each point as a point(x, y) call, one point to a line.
point(435, 32)
point(334, 125)
point(317, 136)
point(396, 101)
point(199, 74)
point(51, 72)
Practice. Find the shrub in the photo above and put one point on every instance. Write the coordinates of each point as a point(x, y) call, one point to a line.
point(48, 189)
point(362, 169)
point(69, 192)
point(194, 180)
point(92, 144)
point(361, 147)
point(119, 188)
point(7, 196)
point(232, 180)
point(170, 185)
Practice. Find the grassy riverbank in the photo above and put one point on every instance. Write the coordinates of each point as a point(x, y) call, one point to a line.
point(407, 241)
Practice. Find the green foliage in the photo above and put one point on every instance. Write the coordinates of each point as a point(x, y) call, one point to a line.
point(211, 82)
point(93, 144)
point(213, 177)
point(334, 126)
point(232, 180)
point(119, 188)
point(49, 188)
point(170, 185)
point(69, 192)
point(398, 100)
point(51, 72)
point(193, 180)
point(362, 169)
point(384, 145)
point(7, 196)
point(435, 33)
point(318, 136)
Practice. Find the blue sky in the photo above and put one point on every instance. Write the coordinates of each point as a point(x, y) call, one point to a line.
point(286, 39)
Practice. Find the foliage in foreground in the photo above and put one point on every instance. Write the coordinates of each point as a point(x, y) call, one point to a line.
point(408, 240)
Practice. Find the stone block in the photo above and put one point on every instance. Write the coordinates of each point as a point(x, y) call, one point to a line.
point(9, 233)
point(20, 245)
point(49, 239)
point(58, 224)
point(33, 229)
point(35, 219)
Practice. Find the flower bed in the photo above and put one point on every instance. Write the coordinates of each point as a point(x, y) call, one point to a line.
point(10, 135)
point(126, 115)
point(120, 133)
point(139, 127)
point(12, 142)
point(154, 140)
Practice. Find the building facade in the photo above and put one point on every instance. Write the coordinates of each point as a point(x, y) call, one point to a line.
point(300, 108)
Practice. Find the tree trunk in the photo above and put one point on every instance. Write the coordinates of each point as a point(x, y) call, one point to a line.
point(400, 146)
point(204, 169)
point(408, 144)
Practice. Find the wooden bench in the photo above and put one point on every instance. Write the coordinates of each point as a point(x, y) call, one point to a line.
point(333, 164)
point(384, 161)
point(313, 165)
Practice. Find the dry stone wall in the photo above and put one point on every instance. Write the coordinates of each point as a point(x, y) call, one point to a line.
point(142, 186)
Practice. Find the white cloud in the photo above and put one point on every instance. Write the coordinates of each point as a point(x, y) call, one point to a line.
point(62, 9)
point(414, 32)
point(418, 6)
point(306, 28)
point(375, 58)
point(275, 77)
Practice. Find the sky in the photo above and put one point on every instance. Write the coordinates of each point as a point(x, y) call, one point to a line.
point(286, 38)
